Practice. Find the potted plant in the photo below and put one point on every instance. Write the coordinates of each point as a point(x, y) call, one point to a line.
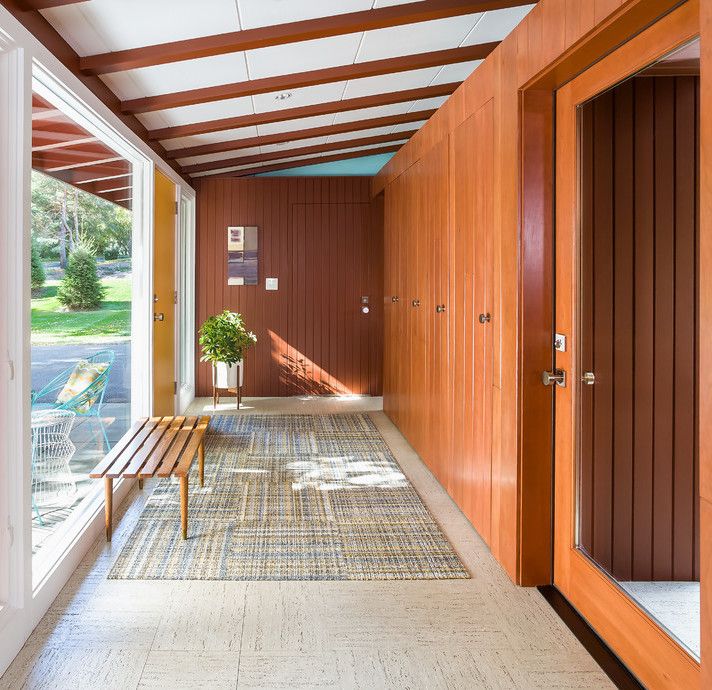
point(224, 339)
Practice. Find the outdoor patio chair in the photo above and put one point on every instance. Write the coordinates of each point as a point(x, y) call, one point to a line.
point(87, 402)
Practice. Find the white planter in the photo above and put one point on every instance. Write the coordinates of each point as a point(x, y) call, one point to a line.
point(225, 376)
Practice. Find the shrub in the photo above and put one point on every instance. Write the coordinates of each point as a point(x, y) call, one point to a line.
point(37, 272)
point(81, 288)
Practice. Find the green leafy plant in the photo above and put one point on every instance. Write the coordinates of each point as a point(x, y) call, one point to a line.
point(37, 272)
point(224, 338)
point(81, 288)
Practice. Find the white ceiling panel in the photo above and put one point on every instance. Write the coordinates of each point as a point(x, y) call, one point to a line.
point(308, 95)
point(496, 25)
point(390, 82)
point(376, 111)
point(303, 56)
point(438, 34)
point(201, 112)
point(178, 76)
point(376, 131)
point(314, 141)
point(457, 72)
point(107, 25)
point(428, 103)
point(299, 123)
point(266, 12)
point(191, 160)
point(408, 125)
point(211, 138)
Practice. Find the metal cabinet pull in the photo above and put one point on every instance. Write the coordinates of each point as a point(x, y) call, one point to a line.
point(440, 308)
point(158, 317)
point(589, 378)
point(395, 298)
point(485, 318)
point(416, 302)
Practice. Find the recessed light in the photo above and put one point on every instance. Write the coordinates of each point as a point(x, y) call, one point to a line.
point(283, 96)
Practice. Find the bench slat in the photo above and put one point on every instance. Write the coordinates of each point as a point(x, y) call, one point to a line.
point(170, 459)
point(192, 448)
point(144, 452)
point(108, 460)
point(162, 448)
point(125, 458)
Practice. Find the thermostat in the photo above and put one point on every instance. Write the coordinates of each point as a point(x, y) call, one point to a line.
point(271, 283)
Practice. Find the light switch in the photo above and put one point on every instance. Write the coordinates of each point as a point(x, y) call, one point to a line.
point(271, 283)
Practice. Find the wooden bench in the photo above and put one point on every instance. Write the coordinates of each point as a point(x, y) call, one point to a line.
point(155, 447)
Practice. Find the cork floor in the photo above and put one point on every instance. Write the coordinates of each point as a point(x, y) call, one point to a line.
point(478, 633)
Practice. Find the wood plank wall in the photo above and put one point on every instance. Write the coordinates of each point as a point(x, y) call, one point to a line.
point(558, 39)
point(323, 239)
point(639, 508)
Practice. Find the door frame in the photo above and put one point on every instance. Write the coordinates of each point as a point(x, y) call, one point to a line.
point(651, 654)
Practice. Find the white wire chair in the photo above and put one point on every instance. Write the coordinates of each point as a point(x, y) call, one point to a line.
point(52, 479)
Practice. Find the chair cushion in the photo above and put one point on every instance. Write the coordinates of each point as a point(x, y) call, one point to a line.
point(83, 375)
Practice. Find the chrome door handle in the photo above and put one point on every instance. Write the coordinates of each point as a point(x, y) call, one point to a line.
point(159, 316)
point(554, 377)
point(440, 308)
point(485, 318)
point(589, 378)
point(416, 302)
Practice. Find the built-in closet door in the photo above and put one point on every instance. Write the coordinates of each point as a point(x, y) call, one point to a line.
point(390, 300)
point(471, 315)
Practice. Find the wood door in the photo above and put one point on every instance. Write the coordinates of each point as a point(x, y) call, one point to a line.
point(472, 318)
point(639, 641)
point(164, 234)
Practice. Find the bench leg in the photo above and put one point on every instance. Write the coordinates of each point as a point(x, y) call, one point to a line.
point(108, 501)
point(140, 483)
point(201, 463)
point(184, 505)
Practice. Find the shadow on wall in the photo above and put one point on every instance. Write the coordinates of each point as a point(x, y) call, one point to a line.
point(300, 374)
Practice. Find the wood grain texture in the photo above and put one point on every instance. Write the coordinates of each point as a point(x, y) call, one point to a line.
point(639, 330)
point(557, 40)
point(323, 240)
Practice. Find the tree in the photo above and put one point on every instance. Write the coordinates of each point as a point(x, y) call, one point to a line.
point(81, 288)
point(37, 272)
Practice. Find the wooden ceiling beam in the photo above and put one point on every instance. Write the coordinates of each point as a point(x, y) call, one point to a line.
point(300, 151)
point(29, 5)
point(306, 161)
point(304, 111)
point(287, 82)
point(292, 32)
point(296, 135)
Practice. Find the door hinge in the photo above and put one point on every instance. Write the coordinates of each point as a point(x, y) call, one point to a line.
point(176, 207)
point(11, 365)
point(175, 296)
point(175, 387)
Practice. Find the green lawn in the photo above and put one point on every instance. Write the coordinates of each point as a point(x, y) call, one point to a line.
point(52, 323)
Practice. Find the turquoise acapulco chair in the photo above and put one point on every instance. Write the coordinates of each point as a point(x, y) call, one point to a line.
point(86, 403)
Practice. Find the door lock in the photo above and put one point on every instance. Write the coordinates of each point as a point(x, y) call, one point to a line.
point(556, 376)
point(159, 316)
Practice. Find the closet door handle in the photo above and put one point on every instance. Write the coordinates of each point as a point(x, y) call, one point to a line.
point(485, 318)
point(395, 299)
point(416, 302)
point(440, 308)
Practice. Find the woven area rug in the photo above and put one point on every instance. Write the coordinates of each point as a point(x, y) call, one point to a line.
point(291, 497)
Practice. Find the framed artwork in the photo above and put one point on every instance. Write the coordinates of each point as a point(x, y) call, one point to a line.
point(242, 255)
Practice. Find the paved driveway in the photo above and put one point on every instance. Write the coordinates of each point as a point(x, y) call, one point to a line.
point(50, 360)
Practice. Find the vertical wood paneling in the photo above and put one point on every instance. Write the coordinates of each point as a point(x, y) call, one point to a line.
point(320, 238)
point(639, 227)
